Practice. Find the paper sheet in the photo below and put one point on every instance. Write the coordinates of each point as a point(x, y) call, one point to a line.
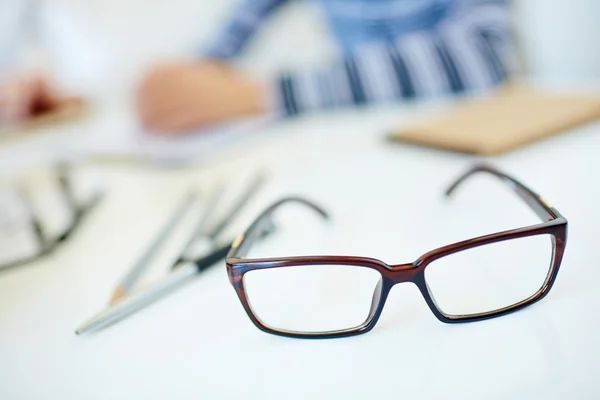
point(132, 143)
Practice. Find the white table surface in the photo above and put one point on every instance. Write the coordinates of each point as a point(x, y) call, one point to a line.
point(387, 203)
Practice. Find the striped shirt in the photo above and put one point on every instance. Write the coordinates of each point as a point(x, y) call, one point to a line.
point(390, 50)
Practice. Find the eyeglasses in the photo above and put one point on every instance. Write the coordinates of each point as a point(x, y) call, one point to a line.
point(78, 210)
point(336, 296)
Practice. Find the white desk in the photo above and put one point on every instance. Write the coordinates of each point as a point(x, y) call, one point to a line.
point(386, 200)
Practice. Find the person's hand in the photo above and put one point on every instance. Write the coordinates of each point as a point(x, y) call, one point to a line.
point(185, 96)
point(24, 97)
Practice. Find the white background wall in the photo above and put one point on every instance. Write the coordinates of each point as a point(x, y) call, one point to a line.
point(560, 38)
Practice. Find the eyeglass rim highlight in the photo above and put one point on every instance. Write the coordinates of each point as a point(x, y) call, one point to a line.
point(554, 224)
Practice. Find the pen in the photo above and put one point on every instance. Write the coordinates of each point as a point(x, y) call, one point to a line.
point(211, 236)
point(129, 279)
point(212, 204)
point(250, 190)
point(125, 302)
point(136, 301)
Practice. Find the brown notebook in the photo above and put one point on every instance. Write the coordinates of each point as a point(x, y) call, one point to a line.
point(511, 117)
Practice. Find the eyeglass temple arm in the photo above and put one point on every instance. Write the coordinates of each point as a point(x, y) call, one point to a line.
point(533, 200)
point(262, 223)
point(79, 210)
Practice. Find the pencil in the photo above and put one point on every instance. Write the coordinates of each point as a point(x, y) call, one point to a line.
point(136, 301)
point(133, 274)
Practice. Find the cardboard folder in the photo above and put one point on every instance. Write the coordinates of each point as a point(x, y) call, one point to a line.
point(509, 118)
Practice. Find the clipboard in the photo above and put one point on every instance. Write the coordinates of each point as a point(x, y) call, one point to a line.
point(511, 117)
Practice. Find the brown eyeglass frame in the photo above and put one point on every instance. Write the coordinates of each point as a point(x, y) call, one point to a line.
point(554, 224)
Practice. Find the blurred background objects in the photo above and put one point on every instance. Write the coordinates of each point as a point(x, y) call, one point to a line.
point(103, 49)
point(49, 58)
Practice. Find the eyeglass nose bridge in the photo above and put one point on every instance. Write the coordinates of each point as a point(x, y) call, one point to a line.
point(401, 273)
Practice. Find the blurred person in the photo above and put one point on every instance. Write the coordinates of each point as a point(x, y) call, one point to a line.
point(25, 96)
point(23, 93)
point(26, 86)
point(391, 50)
